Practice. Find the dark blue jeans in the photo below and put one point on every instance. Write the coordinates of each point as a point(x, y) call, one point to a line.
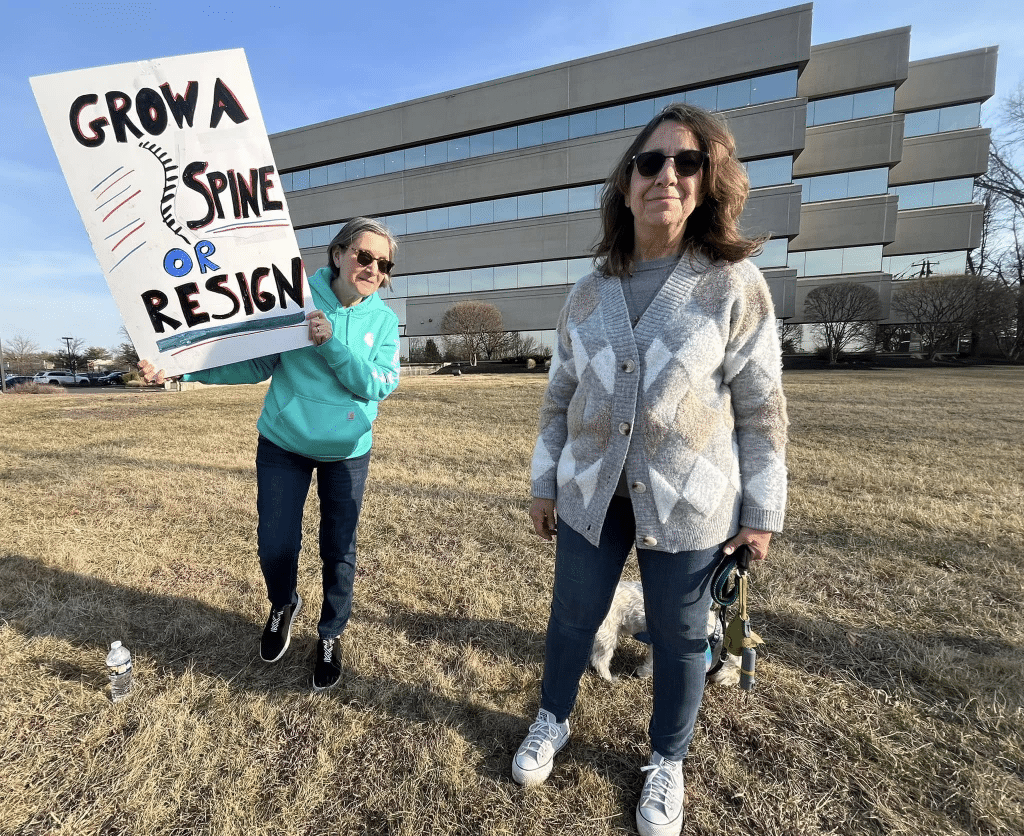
point(677, 597)
point(282, 483)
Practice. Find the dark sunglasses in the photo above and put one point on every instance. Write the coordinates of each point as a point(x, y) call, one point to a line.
point(687, 163)
point(366, 259)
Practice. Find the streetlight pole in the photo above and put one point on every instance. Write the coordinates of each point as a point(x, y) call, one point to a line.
point(71, 361)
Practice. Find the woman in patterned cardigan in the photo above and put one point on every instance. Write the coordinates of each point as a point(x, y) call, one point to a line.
point(663, 427)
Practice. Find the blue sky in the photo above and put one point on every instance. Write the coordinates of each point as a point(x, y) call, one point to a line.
point(313, 61)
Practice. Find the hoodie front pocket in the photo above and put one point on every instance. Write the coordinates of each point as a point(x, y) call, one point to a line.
point(321, 430)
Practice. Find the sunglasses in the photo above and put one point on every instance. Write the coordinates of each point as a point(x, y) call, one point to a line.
point(687, 163)
point(365, 259)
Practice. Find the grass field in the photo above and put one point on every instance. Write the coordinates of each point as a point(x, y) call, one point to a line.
point(890, 696)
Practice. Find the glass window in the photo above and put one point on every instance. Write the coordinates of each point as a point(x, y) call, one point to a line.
point(949, 192)
point(321, 236)
point(705, 97)
point(374, 165)
point(530, 275)
point(639, 113)
point(396, 223)
point(862, 259)
point(827, 187)
point(336, 173)
point(505, 139)
point(481, 212)
point(335, 229)
point(912, 266)
point(483, 278)
point(530, 135)
point(505, 209)
point(461, 281)
point(770, 172)
point(958, 117)
point(554, 272)
point(435, 153)
point(823, 262)
point(797, 261)
point(416, 157)
point(304, 238)
point(437, 218)
point(394, 161)
point(458, 149)
point(415, 222)
point(460, 215)
point(318, 176)
point(581, 199)
point(530, 205)
point(772, 88)
point(734, 94)
point(400, 286)
point(577, 268)
point(481, 144)
point(582, 124)
point(873, 102)
point(286, 181)
point(662, 102)
point(913, 197)
point(609, 119)
point(869, 181)
point(556, 202)
point(437, 283)
point(921, 123)
point(774, 253)
point(418, 285)
point(837, 109)
point(555, 130)
point(505, 277)
point(300, 180)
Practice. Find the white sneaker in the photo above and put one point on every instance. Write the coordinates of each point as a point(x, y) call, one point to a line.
point(660, 811)
point(536, 755)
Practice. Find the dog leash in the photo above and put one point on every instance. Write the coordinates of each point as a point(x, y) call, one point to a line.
point(740, 640)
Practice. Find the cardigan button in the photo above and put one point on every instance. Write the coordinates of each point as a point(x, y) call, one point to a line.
point(624, 428)
point(640, 487)
point(628, 366)
point(650, 541)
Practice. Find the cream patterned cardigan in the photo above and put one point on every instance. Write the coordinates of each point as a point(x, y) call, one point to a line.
point(690, 403)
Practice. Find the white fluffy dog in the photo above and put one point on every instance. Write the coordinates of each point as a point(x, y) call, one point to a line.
point(626, 617)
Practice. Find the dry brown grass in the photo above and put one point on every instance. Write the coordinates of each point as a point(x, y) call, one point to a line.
point(890, 695)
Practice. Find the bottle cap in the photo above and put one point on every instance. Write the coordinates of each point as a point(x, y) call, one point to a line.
point(115, 645)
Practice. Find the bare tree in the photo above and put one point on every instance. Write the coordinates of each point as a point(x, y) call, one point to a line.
point(844, 315)
point(23, 352)
point(474, 329)
point(944, 308)
point(125, 353)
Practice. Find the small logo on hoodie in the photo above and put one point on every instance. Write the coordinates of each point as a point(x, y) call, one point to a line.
point(368, 339)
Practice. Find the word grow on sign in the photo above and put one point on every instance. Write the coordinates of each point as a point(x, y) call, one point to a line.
point(171, 170)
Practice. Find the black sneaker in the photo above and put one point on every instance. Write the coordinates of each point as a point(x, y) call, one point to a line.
point(278, 633)
point(326, 663)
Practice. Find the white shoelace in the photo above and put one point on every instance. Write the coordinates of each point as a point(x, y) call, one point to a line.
point(328, 649)
point(275, 620)
point(660, 784)
point(541, 734)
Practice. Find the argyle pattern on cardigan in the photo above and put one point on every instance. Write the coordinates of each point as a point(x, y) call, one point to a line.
point(690, 404)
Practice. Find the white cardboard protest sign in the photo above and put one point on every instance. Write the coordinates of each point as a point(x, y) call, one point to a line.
point(171, 169)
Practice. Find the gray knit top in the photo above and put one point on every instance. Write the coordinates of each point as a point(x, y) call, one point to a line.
point(689, 404)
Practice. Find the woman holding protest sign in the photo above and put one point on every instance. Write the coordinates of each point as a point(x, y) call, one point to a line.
point(317, 415)
point(663, 428)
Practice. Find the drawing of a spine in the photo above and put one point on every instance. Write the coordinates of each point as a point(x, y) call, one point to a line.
point(170, 187)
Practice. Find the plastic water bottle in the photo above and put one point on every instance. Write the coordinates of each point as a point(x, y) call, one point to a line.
point(119, 669)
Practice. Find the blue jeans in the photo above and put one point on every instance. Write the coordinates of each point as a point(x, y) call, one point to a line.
point(677, 598)
point(282, 483)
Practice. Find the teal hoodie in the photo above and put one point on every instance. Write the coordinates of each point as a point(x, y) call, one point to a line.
point(323, 399)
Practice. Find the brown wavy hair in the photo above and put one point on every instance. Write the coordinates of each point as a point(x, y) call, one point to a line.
point(712, 231)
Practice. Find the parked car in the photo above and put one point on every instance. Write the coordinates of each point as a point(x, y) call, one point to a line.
point(14, 380)
point(112, 379)
point(61, 377)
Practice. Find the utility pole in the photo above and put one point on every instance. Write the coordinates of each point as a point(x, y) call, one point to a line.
point(3, 370)
point(71, 360)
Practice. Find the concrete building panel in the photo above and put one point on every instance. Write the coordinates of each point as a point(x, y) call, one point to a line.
point(862, 63)
point(773, 211)
point(937, 229)
point(949, 79)
point(942, 157)
point(847, 146)
point(856, 222)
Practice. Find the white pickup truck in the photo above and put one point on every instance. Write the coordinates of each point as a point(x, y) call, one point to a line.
point(62, 377)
